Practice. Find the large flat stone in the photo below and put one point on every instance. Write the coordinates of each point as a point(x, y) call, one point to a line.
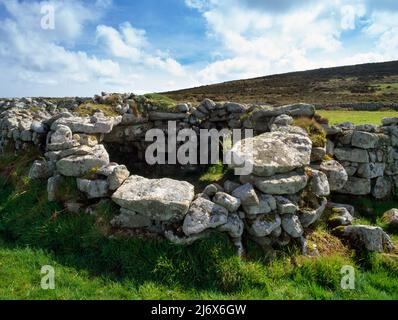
point(272, 153)
point(160, 199)
point(79, 165)
point(281, 184)
point(352, 155)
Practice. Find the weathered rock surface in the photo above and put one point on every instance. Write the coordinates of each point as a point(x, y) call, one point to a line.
point(292, 226)
point(352, 155)
point(266, 204)
point(319, 184)
point(309, 217)
point(336, 174)
point(340, 217)
point(93, 188)
point(246, 194)
point(390, 217)
point(272, 153)
point(41, 170)
point(282, 184)
point(131, 220)
point(91, 125)
point(264, 225)
point(234, 226)
point(160, 199)
point(285, 206)
point(229, 202)
point(117, 177)
point(357, 186)
point(364, 140)
point(77, 166)
point(367, 237)
point(204, 214)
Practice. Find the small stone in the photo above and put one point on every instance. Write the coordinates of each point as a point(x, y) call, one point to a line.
point(246, 194)
point(231, 203)
point(117, 177)
point(93, 188)
point(204, 214)
point(292, 226)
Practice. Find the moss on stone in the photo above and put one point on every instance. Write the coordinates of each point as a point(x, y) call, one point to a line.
point(89, 109)
point(315, 131)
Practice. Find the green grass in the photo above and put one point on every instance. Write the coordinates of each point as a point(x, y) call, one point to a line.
point(89, 109)
point(357, 117)
point(214, 173)
point(161, 101)
point(91, 264)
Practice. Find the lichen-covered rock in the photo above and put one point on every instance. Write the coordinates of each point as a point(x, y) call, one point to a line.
point(160, 199)
point(364, 140)
point(318, 153)
point(367, 237)
point(352, 155)
point(41, 170)
point(91, 125)
point(281, 184)
point(294, 110)
point(212, 189)
point(309, 217)
point(202, 215)
point(319, 184)
point(266, 204)
point(292, 226)
point(383, 188)
point(234, 226)
point(264, 225)
point(390, 218)
point(61, 135)
point(246, 194)
point(371, 170)
point(340, 217)
point(283, 120)
point(357, 186)
point(77, 166)
point(117, 177)
point(230, 186)
point(130, 220)
point(93, 188)
point(272, 153)
point(285, 206)
point(336, 174)
point(229, 202)
point(52, 185)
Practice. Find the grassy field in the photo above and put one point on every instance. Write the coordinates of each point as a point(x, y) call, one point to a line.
point(91, 262)
point(357, 117)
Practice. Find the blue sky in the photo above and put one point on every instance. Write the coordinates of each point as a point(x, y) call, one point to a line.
point(157, 45)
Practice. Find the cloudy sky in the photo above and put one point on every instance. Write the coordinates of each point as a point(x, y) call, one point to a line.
point(156, 45)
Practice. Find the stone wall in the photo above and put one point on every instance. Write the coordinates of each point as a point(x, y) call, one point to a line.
point(285, 195)
point(368, 153)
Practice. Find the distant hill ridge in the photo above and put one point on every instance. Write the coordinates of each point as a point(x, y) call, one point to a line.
point(364, 83)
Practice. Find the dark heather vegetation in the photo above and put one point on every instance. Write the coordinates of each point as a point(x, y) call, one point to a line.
point(93, 261)
point(366, 83)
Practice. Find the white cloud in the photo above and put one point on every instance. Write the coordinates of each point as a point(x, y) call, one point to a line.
point(260, 37)
point(45, 62)
point(131, 44)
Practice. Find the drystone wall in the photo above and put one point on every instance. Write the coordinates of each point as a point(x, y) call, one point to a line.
point(284, 196)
